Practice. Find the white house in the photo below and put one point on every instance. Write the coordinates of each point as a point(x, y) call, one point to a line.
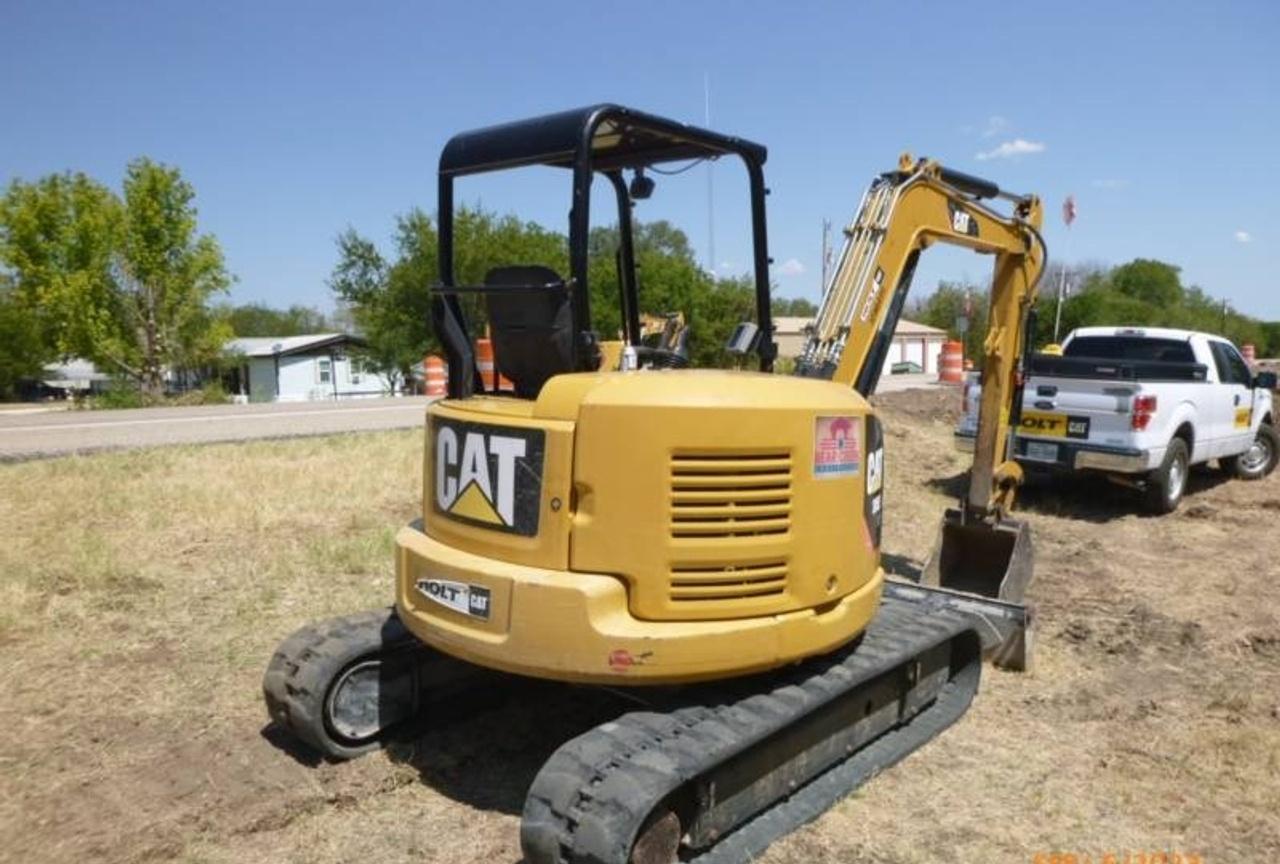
point(302, 368)
point(912, 342)
point(915, 343)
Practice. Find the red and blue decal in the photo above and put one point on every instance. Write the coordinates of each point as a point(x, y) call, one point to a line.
point(837, 447)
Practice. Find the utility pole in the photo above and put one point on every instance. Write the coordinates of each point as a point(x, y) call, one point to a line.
point(711, 207)
point(1062, 290)
point(1068, 216)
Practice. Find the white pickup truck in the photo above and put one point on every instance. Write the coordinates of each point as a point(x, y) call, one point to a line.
point(1141, 405)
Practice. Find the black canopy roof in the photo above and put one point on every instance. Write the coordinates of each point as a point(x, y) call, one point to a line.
point(619, 138)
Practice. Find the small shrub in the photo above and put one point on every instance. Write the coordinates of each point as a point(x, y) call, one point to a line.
point(125, 394)
point(121, 394)
point(210, 394)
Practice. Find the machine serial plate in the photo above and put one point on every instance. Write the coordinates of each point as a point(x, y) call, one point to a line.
point(470, 600)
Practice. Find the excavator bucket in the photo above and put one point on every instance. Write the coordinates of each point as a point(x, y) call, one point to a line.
point(983, 570)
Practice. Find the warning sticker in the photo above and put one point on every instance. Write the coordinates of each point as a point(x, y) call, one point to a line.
point(837, 448)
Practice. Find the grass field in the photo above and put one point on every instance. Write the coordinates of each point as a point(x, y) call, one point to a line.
point(141, 594)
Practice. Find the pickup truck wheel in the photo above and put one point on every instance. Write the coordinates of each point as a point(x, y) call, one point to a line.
point(1261, 457)
point(1166, 484)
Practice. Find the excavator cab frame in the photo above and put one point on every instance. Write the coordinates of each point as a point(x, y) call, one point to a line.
point(603, 140)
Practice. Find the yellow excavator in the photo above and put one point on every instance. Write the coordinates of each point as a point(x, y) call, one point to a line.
point(616, 518)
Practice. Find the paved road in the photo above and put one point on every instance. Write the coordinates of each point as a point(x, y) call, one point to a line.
point(36, 432)
point(30, 435)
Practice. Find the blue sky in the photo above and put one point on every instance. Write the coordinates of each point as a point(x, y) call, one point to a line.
point(294, 121)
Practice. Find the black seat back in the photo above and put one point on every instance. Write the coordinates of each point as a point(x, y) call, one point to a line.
point(532, 331)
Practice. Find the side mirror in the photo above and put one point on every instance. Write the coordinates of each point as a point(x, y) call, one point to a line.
point(1265, 380)
point(744, 339)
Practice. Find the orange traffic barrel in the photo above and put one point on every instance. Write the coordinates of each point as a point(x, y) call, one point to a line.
point(951, 362)
point(503, 382)
point(436, 372)
point(1250, 354)
point(489, 375)
point(484, 361)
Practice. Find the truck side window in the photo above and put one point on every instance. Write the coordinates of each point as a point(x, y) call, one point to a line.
point(1239, 369)
point(1231, 366)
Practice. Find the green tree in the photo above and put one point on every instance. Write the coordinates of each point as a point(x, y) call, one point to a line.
point(1270, 345)
point(121, 282)
point(1141, 293)
point(58, 238)
point(1147, 293)
point(669, 280)
point(718, 309)
point(1153, 283)
point(798, 307)
point(1099, 306)
point(944, 307)
point(257, 319)
point(385, 319)
point(165, 275)
point(22, 351)
point(390, 301)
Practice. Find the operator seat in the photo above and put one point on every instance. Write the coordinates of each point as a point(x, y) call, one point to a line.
point(532, 330)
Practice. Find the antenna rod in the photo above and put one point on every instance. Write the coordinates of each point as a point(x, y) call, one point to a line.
point(826, 257)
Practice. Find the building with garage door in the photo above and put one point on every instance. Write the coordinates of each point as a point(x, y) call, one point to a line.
point(303, 368)
point(915, 347)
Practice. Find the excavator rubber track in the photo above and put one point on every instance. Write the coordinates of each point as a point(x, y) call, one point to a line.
point(748, 762)
point(345, 685)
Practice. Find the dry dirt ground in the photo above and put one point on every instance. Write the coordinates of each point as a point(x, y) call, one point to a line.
point(141, 594)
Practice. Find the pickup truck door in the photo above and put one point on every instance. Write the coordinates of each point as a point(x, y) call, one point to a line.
point(1232, 400)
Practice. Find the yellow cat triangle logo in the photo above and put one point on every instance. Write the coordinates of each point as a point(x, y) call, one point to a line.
point(472, 504)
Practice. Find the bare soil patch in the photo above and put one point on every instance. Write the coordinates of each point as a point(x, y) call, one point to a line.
point(141, 594)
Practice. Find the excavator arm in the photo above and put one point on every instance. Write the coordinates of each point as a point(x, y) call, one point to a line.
point(902, 214)
point(982, 559)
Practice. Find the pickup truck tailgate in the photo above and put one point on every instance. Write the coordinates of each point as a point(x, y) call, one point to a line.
point(1084, 412)
point(1080, 410)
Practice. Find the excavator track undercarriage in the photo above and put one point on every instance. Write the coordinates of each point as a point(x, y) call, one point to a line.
point(709, 773)
point(737, 767)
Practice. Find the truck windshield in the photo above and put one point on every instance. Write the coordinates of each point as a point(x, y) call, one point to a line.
point(1131, 348)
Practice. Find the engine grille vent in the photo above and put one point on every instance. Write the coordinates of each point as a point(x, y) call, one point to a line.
point(728, 583)
point(730, 495)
